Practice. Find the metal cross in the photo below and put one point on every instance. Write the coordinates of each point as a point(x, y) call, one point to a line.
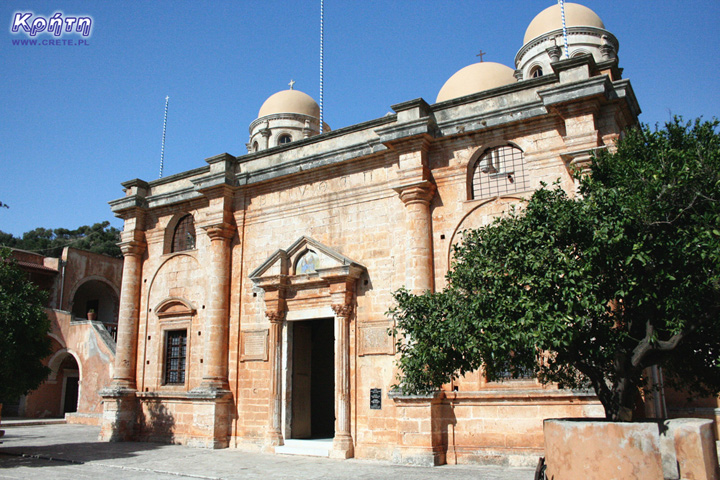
point(292, 82)
point(481, 55)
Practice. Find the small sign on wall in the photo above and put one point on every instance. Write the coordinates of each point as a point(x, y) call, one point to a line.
point(375, 399)
point(254, 345)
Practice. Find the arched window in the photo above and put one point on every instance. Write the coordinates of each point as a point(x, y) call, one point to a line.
point(255, 147)
point(536, 72)
point(498, 171)
point(307, 263)
point(184, 235)
point(285, 138)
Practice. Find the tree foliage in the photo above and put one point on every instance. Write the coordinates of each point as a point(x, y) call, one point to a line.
point(98, 238)
point(24, 327)
point(587, 291)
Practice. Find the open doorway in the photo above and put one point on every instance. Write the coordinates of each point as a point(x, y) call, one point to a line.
point(70, 374)
point(313, 379)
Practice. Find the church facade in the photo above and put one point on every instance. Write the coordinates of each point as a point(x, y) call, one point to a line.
point(255, 288)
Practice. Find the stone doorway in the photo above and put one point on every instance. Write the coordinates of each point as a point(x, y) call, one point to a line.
point(70, 374)
point(313, 379)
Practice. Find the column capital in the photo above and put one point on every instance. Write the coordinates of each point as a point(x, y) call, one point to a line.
point(220, 231)
point(275, 316)
point(343, 310)
point(420, 192)
point(132, 248)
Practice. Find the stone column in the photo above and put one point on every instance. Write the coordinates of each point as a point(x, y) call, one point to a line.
point(215, 366)
point(119, 410)
point(419, 264)
point(343, 442)
point(128, 316)
point(274, 436)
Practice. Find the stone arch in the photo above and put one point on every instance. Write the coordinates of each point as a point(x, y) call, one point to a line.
point(172, 224)
point(56, 360)
point(283, 132)
point(538, 67)
point(174, 306)
point(480, 215)
point(307, 261)
point(472, 161)
point(167, 309)
point(578, 52)
point(96, 293)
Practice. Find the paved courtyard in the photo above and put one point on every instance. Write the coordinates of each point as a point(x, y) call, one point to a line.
point(72, 452)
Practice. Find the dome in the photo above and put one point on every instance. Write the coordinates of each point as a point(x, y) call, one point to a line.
point(551, 19)
point(290, 101)
point(475, 78)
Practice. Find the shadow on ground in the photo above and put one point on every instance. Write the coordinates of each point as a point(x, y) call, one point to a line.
point(72, 446)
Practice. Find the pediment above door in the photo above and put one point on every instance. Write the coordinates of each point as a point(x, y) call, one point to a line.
point(304, 263)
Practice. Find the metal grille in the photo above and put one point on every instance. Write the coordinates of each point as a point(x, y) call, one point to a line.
point(175, 353)
point(498, 171)
point(184, 236)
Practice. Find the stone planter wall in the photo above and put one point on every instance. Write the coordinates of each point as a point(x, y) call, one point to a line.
point(597, 449)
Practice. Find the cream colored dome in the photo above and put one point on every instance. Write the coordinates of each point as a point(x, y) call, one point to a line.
point(475, 78)
point(290, 101)
point(551, 19)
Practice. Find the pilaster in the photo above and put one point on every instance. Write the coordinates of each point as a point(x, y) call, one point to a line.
point(215, 366)
point(418, 220)
point(343, 441)
point(420, 440)
point(273, 437)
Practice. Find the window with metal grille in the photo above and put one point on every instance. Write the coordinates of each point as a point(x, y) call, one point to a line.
point(184, 236)
point(498, 171)
point(175, 354)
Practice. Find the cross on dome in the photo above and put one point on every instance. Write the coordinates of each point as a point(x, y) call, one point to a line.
point(481, 55)
point(292, 82)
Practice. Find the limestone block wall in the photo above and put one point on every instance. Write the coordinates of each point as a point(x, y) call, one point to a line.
point(354, 211)
point(505, 425)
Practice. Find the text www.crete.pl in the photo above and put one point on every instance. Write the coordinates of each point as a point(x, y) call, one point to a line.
point(50, 42)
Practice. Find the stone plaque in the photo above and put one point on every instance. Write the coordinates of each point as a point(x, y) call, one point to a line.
point(374, 339)
point(375, 399)
point(254, 345)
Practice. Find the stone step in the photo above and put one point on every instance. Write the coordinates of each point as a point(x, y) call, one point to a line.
point(317, 447)
point(28, 422)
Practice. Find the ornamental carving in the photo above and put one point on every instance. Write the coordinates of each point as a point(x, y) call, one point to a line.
point(343, 310)
point(132, 248)
point(221, 231)
point(275, 317)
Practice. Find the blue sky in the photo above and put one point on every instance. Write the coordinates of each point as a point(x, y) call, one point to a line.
point(79, 120)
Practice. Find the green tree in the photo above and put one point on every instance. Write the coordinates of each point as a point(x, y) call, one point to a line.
point(24, 327)
point(98, 238)
point(587, 291)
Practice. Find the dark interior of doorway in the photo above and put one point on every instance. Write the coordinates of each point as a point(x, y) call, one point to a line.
point(313, 389)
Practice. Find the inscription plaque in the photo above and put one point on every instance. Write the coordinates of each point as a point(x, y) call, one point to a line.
point(254, 345)
point(375, 340)
point(376, 399)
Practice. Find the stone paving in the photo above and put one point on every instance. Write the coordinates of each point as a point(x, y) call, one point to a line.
point(72, 452)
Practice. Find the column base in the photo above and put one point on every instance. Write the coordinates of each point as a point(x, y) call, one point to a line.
point(211, 409)
point(212, 385)
point(273, 439)
point(342, 447)
point(420, 441)
point(119, 418)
